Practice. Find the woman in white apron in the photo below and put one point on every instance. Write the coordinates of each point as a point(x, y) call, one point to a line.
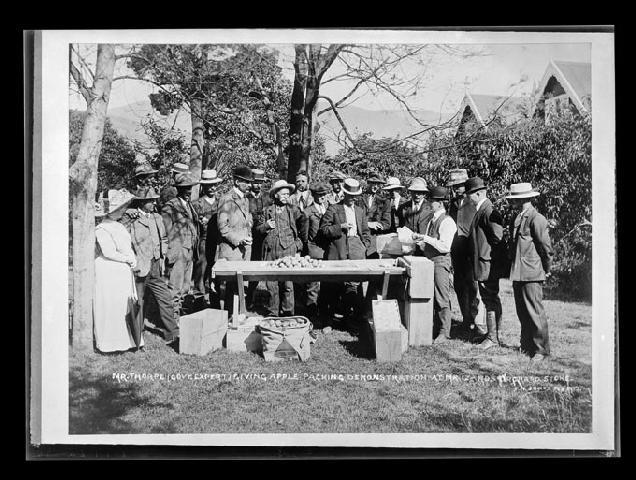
point(115, 290)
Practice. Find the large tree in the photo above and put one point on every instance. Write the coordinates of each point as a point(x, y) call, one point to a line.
point(83, 185)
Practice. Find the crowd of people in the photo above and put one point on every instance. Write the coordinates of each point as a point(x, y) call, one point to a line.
point(164, 245)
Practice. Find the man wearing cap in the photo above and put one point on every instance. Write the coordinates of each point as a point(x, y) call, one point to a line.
point(259, 200)
point(235, 225)
point(316, 303)
point(485, 249)
point(301, 198)
point(416, 214)
point(462, 210)
point(344, 225)
point(336, 180)
point(206, 207)
point(531, 254)
point(394, 187)
point(169, 191)
point(282, 226)
point(436, 246)
point(150, 244)
point(182, 227)
point(377, 210)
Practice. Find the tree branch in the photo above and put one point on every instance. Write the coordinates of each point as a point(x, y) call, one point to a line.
point(79, 80)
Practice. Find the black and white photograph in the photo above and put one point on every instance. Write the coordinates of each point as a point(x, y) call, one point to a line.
point(363, 238)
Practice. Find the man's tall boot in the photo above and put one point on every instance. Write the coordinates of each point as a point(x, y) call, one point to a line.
point(492, 339)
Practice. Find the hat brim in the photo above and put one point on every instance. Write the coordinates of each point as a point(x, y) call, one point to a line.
point(392, 187)
point(147, 172)
point(140, 199)
point(352, 193)
point(426, 190)
point(473, 190)
point(292, 189)
point(524, 195)
point(453, 183)
point(211, 182)
point(186, 185)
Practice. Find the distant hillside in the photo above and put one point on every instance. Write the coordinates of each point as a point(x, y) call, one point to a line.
point(382, 123)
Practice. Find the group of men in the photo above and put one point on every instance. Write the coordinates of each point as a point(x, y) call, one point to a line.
point(338, 221)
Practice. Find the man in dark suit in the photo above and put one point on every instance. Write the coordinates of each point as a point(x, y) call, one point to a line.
point(182, 229)
point(259, 200)
point(317, 302)
point(416, 214)
point(169, 191)
point(282, 226)
point(531, 254)
point(301, 198)
point(485, 248)
point(377, 210)
point(394, 187)
point(336, 180)
point(344, 225)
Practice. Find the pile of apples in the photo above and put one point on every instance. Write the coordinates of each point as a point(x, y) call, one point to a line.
point(297, 262)
point(283, 323)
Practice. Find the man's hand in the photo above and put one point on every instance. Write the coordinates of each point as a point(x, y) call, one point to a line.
point(246, 241)
point(374, 225)
point(271, 224)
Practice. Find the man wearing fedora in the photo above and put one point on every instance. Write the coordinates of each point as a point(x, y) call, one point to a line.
point(182, 228)
point(485, 248)
point(206, 207)
point(169, 191)
point(416, 213)
point(282, 226)
point(531, 255)
point(144, 175)
point(336, 180)
point(235, 225)
point(394, 187)
point(436, 243)
point(259, 200)
point(462, 210)
point(377, 210)
point(301, 198)
point(316, 303)
point(344, 226)
point(150, 244)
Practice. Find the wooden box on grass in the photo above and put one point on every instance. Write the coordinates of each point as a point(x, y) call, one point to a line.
point(202, 332)
point(418, 308)
point(244, 337)
point(390, 338)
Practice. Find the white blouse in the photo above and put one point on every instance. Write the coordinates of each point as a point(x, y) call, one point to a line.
point(114, 241)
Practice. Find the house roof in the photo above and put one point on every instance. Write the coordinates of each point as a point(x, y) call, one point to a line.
point(574, 77)
point(484, 107)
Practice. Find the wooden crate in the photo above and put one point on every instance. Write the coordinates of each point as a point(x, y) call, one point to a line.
point(388, 332)
point(418, 307)
point(202, 332)
point(245, 338)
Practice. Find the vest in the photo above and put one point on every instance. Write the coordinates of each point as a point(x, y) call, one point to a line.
point(285, 233)
point(433, 231)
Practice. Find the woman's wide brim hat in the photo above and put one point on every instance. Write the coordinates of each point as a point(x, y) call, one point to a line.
point(114, 200)
point(392, 183)
point(279, 185)
point(185, 180)
point(351, 187)
point(474, 184)
point(418, 184)
point(457, 176)
point(522, 190)
point(209, 177)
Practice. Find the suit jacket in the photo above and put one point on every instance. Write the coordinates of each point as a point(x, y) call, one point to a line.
point(416, 221)
point(332, 199)
point(167, 193)
point(380, 211)
point(395, 221)
point(182, 229)
point(530, 247)
point(257, 205)
point(331, 229)
point(145, 243)
point(316, 242)
point(271, 241)
point(209, 234)
point(295, 200)
point(485, 244)
point(235, 223)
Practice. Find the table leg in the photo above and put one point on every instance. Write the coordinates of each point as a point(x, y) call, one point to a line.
point(241, 292)
point(385, 283)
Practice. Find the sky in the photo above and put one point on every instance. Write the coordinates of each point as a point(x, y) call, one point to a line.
point(512, 69)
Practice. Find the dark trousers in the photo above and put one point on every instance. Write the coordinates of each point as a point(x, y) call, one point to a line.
point(489, 292)
point(201, 270)
point(180, 278)
point(466, 289)
point(316, 300)
point(441, 296)
point(281, 297)
point(157, 286)
point(534, 322)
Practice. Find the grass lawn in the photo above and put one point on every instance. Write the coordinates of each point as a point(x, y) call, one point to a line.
point(453, 387)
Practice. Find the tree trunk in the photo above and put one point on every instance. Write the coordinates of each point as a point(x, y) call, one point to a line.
point(196, 148)
point(83, 178)
point(296, 122)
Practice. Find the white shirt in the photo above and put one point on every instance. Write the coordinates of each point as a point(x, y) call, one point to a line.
point(396, 201)
point(479, 203)
point(350, 213)
point(210, 200)
point(447, 231)
point(238, 192)
point(417, 206)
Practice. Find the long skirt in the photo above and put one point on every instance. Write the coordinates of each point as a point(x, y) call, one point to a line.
point(114, 287)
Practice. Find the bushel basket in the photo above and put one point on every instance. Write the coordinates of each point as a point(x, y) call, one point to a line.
point(286, 338)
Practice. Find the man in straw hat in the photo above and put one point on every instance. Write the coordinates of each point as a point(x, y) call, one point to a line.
point(336, 180)
point(282, 226)
point(182, 227)
point(344, 225)
point(531, 254)
point(416, 214)
point(462, 210)
point(169, 191)
point(206, 207)
point(259, 200)
point(436, 246)
point(485, 247)
point(316, 303)
point(150, 244)
point(377, 210)
point(235, 225)
point(394, 187)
